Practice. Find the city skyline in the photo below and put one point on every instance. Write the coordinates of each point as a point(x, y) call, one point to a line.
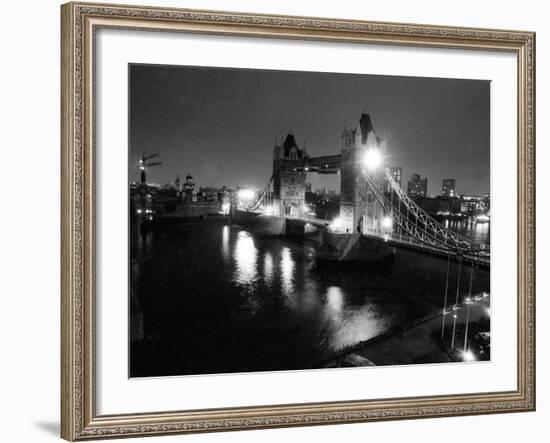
point(309, 187)
point(197, 118)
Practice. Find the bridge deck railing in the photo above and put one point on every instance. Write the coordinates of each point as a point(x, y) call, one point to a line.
point(407, 240)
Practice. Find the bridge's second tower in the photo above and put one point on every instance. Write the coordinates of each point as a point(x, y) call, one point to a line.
point(289, 178)
point(358, 209)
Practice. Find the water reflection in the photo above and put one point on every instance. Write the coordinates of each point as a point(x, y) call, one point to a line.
point(287, 270)
point(143, 241)
point(359, 324)
point(475, 231)
point(335, 302)
point(481, 229)
point(235, 302)
point(245, 255)
point(225, 242)
point(268, 269)
point(348, 324)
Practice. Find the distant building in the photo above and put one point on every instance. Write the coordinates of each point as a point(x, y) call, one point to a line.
point(203, 201)
point(440, 205)
point(471, 204)
point(417, 186)
point(449, 187)
point(448, 205)
point(487, 203)
point(190, 189)
point(428, 204)
point(396, 174)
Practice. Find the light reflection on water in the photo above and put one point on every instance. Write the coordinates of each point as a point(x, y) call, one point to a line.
point(225, 242)
point(325, 311)
point(268, 268)
point(475, 231)
point(335, 303)
point(245, 255)
point(216, 298)
point(287, 272)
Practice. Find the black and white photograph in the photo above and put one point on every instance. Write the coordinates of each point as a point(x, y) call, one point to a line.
point(286, 220)
point(240, 222)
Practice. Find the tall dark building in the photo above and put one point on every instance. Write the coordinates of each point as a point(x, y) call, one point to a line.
point(396, 174)
point(417, 186)
point(449, 187)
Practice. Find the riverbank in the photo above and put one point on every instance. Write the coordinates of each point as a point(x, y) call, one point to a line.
point(420, 341)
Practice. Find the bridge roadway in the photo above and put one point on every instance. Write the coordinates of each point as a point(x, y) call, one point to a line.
point(326, 164)
point(405, 242)
point(411, 243)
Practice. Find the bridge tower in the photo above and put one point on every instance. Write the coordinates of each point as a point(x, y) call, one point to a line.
point(359, 211)
point(289, 178)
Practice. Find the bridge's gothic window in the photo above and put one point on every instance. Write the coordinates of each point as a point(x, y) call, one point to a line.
point(293, 155)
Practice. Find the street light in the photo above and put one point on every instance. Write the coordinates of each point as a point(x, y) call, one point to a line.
point(336, 224)
point(387, 222)
point(372, 159)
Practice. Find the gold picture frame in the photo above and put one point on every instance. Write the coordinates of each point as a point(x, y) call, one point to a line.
point(80, 21)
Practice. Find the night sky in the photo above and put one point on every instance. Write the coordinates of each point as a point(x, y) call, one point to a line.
point(220, 125)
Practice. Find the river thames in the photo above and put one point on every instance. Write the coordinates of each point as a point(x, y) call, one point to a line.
point(211, 297)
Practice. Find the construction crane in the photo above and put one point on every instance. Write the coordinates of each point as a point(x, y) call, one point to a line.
point(143, 165)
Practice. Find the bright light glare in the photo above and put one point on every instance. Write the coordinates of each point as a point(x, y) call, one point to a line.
point(269, 210)
point(225, 208)
point(387, 222)
point(468, 356)
point(336, 224)
point(372, 159)
point(482, 218)
point(246, 194)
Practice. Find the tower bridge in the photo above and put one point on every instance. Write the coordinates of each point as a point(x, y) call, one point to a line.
point(291, 164)
point(372, 204)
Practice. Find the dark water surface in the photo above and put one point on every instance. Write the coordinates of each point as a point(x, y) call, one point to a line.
point(210, 297)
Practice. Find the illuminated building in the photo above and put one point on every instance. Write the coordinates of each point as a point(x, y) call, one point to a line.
point(449, 187)
point(417, 186)
point(471, 204)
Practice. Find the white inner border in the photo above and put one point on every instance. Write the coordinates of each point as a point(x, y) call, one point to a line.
point(116, 393)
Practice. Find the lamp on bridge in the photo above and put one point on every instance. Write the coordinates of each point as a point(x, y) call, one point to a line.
point(335, 225)
point(246, 194)
point(372, 159)
point(270, 210)
point(387, 223)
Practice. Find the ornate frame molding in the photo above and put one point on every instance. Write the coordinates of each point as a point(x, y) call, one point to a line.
point(79, 420)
